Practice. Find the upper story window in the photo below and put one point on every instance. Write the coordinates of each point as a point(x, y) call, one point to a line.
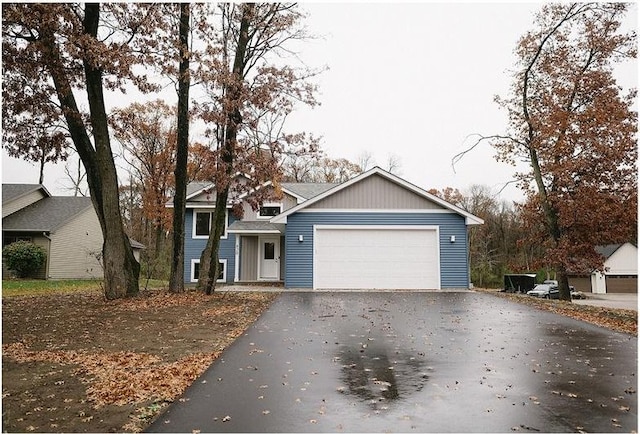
point(269, 210)
point(202, 223)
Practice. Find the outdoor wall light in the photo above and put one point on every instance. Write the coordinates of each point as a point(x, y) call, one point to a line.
point(300, 238)
point(453, 238)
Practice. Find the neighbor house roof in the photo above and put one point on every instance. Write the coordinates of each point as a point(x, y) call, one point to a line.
point(11, 192)
point(609, 249)
point(470, 218)
point(46, 215)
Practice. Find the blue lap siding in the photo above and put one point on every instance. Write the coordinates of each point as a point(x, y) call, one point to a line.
point(193, 248)
point(454, 268)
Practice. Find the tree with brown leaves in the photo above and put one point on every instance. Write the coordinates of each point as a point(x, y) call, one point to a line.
point(249, 95)
point(575, 126)
point(72, 55)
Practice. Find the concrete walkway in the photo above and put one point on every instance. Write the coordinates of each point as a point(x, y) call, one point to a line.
point(413, 362)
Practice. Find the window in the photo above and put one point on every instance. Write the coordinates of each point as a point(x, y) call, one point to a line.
point(269, 250)
point(202, 221)
point(12, 239)
point(269, 210)
point(195, 270)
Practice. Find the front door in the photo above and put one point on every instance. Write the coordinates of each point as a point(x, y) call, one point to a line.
point(270, 258)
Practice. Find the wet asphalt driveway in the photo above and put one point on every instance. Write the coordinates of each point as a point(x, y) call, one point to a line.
point(413, 362)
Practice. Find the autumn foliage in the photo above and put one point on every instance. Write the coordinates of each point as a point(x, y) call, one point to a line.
point(576, 128)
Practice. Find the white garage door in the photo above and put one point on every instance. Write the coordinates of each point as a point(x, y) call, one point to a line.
point(376, 257)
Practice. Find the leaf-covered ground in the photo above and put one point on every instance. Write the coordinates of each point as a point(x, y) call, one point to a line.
point(75, 363)
point(620, 320)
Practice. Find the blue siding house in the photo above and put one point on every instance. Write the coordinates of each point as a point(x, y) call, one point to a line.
point(375, 231)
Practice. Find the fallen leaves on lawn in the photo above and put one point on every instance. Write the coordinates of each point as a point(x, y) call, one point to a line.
point(123, 377)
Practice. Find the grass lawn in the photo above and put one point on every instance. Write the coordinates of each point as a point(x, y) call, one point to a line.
point(16, 287)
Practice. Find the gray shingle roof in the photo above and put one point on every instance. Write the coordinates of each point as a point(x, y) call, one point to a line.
point(11, 192)
point(255, 226)
point(46, 215)
point(307, 189)
point(607, 250)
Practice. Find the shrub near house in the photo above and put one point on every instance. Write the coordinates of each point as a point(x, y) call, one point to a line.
point(24, 258)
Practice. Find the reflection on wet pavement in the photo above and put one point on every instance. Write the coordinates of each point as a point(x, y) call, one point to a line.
point(369, 374)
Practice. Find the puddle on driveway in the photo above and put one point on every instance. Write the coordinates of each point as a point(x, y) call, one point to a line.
point(373, 377)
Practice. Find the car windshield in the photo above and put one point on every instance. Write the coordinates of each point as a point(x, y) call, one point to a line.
point(541, 287)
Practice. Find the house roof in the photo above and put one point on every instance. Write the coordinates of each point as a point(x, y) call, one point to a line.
point(307, 190)
point(608, 250)
point(470, 218)
point(11, 192)
point(46, 215)
point(254, 227)
point(302, 191)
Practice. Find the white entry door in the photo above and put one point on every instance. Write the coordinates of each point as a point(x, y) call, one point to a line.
point(270, 258)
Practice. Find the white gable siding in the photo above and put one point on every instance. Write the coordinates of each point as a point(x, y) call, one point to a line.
point(21, 202)
point(74, 247)
point(623, 261)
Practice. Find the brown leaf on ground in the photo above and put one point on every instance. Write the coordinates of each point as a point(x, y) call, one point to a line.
point(117, 363)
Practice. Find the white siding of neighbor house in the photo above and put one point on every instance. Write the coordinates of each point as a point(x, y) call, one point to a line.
point(74, 247)
point(22, 202)
point(375, 192)
point(623, 261)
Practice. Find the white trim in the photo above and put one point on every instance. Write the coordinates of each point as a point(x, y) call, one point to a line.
point(470, 218)
point(378, 227)
point(378, 210)
point(269, 204)
point(196, 193)
point(205, 237)
point(261, 239)
point(204, 205)
point(236, 271)
point(253, 231)
point(197, 261)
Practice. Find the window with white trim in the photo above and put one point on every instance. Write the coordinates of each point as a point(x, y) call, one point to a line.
point(195, 270)
point(268, 210)
point(202, 221)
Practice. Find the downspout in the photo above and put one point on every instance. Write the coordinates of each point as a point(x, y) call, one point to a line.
point(46, 270)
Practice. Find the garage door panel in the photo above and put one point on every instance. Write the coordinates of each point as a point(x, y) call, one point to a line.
point(354, 258)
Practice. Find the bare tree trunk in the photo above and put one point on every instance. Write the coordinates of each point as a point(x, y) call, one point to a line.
point(42, 161)
point(176, 280)
point(121, 270)
point(233, 120)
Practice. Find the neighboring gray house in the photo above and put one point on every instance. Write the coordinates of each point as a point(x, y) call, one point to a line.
point(373, 231)
point(67, 227)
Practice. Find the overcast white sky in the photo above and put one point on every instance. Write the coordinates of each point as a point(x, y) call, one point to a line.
point(410, 79)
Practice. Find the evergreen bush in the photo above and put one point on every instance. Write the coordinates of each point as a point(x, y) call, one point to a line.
point(24, 258)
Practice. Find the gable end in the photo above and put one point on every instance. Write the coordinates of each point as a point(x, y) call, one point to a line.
point(375, 192)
